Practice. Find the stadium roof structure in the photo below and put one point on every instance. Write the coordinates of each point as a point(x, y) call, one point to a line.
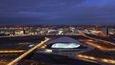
point(63, 39)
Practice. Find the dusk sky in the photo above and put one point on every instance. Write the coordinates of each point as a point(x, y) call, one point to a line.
point(57, 11)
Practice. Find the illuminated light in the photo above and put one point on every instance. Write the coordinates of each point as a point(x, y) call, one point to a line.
point(92, 58)
point(48, 50)
point(105, 60)
point(90, 40)
point(63, 45)
point(99, 46)
point(106, 42)
point(88, 57)
point(109, 61)
point(44, 46)
point(11, 51)
point(80, 55)
point(31, 45)
point(28, 52)
point(112, 61)
point(85, 56)
point(97, 59)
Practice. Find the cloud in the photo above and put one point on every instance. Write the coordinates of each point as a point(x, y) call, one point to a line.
point(84, 11)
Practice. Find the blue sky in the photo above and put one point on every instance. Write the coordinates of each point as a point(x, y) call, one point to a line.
point(57, 12)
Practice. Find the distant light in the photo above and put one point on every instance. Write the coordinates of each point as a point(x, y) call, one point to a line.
point(11, 51)
point(93, 58)
point(111, 61)
point(88, 57)
point(48, 50)
point(90, 40)
point(31, 45)
point(105, 60)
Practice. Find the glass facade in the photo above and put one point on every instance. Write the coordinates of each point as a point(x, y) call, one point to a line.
point(65, 45)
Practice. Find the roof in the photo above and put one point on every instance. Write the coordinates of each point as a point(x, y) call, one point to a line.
point(62, 40)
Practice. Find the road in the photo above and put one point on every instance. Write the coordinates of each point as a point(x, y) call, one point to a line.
point(99, 40)
point(104, 45)
point(12, 51)
point(28, 52)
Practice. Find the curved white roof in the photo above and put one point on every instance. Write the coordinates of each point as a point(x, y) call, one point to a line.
point(62, 40)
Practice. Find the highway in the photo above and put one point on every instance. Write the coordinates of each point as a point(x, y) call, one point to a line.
point(104, 45)
point(12, 51)
point(108, 42)
point(28, 52)
point(95, 59)
point(99, 45)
